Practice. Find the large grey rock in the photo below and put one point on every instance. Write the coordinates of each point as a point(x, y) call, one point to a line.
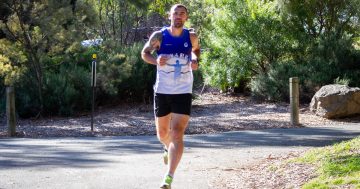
point(336, 101)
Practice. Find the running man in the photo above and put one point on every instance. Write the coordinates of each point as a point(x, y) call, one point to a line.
point(178, 52)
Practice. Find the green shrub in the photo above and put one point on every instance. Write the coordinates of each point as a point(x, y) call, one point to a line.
point(3, 98)
point(67, 91)
point(121, 75)
point(112, 72)
point(80, 79)
point(139, 85)
point(343, 81)
point(245, 38)
point(27, 101)
point(329, 60)
point(58, 94)
point(198, 78)
point(274, 85)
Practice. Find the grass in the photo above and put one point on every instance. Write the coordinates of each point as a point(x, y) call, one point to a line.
point(338, 165)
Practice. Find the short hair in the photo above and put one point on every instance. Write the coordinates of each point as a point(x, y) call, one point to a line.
point(179, 5)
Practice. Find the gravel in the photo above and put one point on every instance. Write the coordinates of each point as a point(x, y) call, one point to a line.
point(211, 113)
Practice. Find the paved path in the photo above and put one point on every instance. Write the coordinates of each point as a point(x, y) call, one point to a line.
point(135, 162)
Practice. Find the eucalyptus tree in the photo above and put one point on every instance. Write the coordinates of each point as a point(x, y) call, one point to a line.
point(327, 34)
point(122, 20)
point(244, 39)
point(315, 23)
point(44, 31)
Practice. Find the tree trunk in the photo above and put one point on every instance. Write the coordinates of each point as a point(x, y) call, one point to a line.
point(10, 110)
point(113, 21)
point(33, 55)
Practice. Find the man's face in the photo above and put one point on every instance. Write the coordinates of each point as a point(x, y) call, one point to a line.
point(178, 17)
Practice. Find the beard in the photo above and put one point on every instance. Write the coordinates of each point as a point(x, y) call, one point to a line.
point(178, 24)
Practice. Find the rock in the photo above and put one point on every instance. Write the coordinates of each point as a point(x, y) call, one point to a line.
point(336, 101)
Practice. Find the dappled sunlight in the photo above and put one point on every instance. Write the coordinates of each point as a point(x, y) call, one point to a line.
point(211, 113)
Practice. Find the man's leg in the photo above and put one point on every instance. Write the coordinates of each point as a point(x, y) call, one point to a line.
point(175, 146)
point(163, 129)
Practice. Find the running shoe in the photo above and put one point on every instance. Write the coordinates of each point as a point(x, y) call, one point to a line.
point(167, 182)
point(165, 156)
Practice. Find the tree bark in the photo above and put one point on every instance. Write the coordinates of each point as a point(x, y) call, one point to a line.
point(34, 60)
point(10, 110)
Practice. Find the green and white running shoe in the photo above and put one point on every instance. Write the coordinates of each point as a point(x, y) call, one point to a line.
point(167, 182)
point(165, 156)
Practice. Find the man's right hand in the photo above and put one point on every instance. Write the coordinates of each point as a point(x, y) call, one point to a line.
point(162, 59)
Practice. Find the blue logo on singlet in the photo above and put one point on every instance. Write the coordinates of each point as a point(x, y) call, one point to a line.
point(177, 71)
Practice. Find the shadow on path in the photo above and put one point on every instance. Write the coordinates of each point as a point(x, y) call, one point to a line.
point(93, 152)
point(307, 137)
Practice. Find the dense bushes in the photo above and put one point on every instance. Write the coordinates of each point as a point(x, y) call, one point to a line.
point(243, 40)
point(134, 79)
point(266, 42)
point(273, 85)
point(329, 61)
point(271, 41)
point(121, 76)
point(66, 91)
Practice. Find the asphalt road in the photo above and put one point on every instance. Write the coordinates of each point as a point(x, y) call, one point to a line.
point(136, 162)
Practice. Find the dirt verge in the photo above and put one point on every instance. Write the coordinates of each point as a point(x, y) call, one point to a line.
point(211, 113)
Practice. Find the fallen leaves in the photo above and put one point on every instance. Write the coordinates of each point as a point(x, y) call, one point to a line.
point(211, 113)
point(271, 172)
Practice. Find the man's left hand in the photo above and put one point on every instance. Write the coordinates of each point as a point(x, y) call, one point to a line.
point(194, 64)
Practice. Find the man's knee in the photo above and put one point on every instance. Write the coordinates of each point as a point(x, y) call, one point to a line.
point(163, 127)
point(162, 134)
point(177, 134)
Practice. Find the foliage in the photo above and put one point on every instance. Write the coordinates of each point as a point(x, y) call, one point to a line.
point(200, 16)
point(11, 62)
point(312, 73)
point(263, 41)
point(321, 18)
point(11, 67)
point(338, 165)
point(161, 6)
point(59, 92)
point(139, 86)
point(245, 38)
point(126, 22)
point(46, 32)
point(328, 32)
point(122, 74)
point(254, 38)
point(46, 36)
point(274, 85)
point(67, 90)
point(112, 72)
point(27, 102)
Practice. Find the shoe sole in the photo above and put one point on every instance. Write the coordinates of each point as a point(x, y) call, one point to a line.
point(165, 187)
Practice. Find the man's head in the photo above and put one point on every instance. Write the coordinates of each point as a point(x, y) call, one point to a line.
point(178, 15)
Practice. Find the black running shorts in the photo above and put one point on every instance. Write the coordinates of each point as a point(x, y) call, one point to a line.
point(172, 103)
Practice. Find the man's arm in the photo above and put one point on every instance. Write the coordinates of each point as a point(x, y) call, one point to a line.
point(195, 51)
point(153, 44)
